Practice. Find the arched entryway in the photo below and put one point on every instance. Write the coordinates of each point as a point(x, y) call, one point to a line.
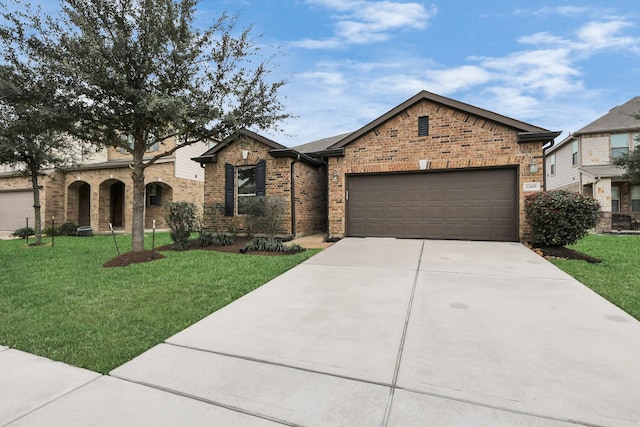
point(157, 194)
point(112, 193)
point(79, 203)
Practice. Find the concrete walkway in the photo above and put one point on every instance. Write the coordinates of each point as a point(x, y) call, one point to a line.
point(377, 332)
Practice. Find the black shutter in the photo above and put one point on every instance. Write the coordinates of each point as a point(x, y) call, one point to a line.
point(261, 178)
point(229, 189)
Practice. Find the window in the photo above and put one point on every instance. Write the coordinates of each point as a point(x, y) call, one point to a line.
point(423, 126)
point(635, 198)
point(619, 144)
point(125, 139)
point(242, 184)
point(154, 195)
point(615, 198)
point(552, 164)
point(574, 153)
point(246, 184)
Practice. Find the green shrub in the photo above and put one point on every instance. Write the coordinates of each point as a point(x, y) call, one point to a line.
point(24, 232)
point(271, 245)
point(182, 219)
point(49, 231)
point(264, 215)
point(222, 239)
point(67, 229)
point(560, 217)
point(205, 238)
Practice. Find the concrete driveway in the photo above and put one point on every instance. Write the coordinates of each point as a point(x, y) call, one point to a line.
point(387, 332)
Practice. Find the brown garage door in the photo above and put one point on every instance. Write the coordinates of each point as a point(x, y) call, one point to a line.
point(15, 206)
point(465, 205)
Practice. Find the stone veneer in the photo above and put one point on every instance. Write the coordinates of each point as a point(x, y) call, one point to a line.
point(456, 140)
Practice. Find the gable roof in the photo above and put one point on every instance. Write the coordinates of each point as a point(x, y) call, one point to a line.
point(619, 119)
point(527, 132)
point(277, 150)
point(314, 147)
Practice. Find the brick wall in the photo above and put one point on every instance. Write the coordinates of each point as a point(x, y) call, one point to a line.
point(456, 140)
point(278, 181)
point(311, 199)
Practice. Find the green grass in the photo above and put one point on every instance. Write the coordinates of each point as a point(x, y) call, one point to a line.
point(59, 302)
point(617, 278)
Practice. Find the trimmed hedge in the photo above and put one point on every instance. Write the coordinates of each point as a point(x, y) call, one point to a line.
point(561, 217)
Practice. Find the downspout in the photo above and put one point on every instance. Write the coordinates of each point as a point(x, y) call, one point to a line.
point(293, 196)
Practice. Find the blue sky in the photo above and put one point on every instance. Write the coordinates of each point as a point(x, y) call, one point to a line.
point(555, 64)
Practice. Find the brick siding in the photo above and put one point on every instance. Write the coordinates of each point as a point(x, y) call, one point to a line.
point(456, 140)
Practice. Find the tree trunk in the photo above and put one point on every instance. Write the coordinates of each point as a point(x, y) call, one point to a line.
point(36, 207)
point(137, 222)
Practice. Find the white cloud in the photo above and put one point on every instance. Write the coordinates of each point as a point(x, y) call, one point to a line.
point(364, 22)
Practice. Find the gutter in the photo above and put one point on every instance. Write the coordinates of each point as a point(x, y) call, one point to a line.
point(293, 195)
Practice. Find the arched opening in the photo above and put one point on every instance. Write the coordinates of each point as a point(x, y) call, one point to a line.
point(79, 203)
point(112, 193)
point(157, 194)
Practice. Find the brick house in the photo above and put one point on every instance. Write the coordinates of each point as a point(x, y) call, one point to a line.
point(432, 167)
point(582, 162)
point(247, 165)
point(99, 190)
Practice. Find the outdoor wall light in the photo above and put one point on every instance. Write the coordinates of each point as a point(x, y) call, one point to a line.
point(245, 154)
point(533, 166)
point(335, 175)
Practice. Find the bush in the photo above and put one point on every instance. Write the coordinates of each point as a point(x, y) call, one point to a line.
point(49, 231)
point(222, 239)
point(182, 219)
point(264, 215)
point(24, 232)
point(205, 238)
point(561, 217)
point(67, 229)
point(272, 245)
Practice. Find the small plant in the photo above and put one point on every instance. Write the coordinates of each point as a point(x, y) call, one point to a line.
point(222, 239)
point(50, 231)
point(182, 219)
point(271, 245)
point(24, 232)
point(561, 217)
point(67, 229)
point(205, 238)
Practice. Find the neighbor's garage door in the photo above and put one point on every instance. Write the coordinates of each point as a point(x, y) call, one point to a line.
point(14, 207)
point(466, 205)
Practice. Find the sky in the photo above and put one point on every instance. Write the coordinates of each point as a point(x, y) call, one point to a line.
point(554, 64)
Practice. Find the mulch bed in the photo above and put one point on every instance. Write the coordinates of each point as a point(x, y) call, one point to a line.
point(145, 256)
point(555, 252)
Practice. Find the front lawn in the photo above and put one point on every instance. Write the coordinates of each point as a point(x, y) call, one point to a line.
point(617, 278)
point(59, 302)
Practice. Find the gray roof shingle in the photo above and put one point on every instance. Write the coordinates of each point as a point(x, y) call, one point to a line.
point(622, 118)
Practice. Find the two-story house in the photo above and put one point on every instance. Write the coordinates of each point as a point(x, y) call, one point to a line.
point(582, 162)
point(99, 190)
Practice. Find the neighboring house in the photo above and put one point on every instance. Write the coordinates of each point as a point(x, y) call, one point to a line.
point(432, 167)
point(99, 190)
point(582, 162)
point(247, 165)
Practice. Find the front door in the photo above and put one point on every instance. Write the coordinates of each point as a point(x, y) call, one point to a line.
point(117, 204)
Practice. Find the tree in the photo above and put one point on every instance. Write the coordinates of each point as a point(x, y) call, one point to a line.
point(630, 162)
point(33, 113)
point(141, 73)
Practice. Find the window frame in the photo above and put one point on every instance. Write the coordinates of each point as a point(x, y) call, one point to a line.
point(618, 190)
point(636, 199)
point(239, 195)
point(574, 153)
point(621, 149)
point(552, 164)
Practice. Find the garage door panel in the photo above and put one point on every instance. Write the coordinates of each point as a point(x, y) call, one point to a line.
point(469, 204)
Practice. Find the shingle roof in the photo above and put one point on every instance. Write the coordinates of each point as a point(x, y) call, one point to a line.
point(603, 171)
point(619, 119)
point(320, 144)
